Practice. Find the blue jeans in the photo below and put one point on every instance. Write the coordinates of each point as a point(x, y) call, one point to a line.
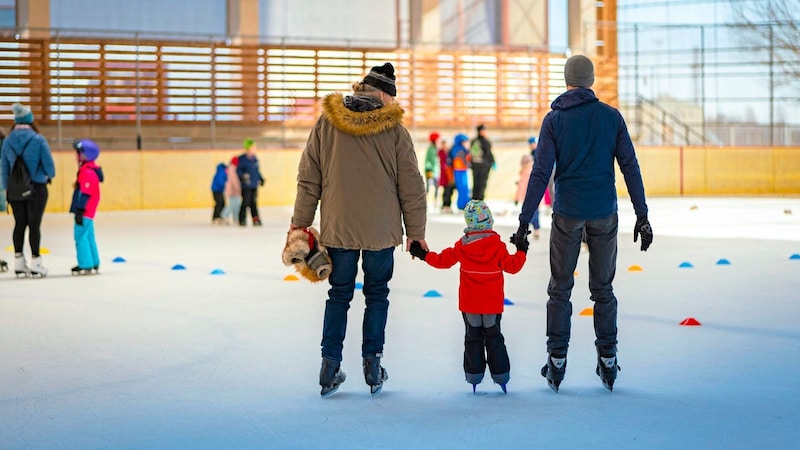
point(378, 267)
point(565, 246)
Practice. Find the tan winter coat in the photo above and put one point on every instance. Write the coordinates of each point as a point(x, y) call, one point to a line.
point(362, 169)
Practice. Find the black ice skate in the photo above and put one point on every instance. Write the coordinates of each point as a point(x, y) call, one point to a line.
point(554, 370)
point(374, 374)
point(77, 270)
point(3, 266)
point(330, 377)
point(607, 369)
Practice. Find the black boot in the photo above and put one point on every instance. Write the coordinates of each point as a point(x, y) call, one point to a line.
point(554, 370)
point(374, 374)
point(607, 367)
point(331, 376)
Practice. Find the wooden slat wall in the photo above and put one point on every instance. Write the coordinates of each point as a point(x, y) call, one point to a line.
point(90, 80)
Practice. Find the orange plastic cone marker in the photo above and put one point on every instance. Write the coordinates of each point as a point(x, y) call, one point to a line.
point(587, 312)
point(291, 278)
point(635, 268)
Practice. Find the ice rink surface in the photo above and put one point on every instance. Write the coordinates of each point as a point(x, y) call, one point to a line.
point(147, 357)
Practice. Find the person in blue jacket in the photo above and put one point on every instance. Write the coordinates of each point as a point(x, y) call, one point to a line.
point(582, 137)
point(250, 176)
point(218, 191)
point(459, 155)
point(24, 139)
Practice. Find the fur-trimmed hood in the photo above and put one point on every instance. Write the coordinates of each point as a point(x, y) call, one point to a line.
point(360, 123)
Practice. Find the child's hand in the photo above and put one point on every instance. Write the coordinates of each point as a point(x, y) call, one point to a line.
point(417, 251)
point(520, 238)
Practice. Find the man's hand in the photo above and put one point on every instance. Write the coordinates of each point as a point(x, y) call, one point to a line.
point(520, 238)
point(417, 251)
point(643, 227)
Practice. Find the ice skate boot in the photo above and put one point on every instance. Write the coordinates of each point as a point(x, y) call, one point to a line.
point(3, 266)
point(21, 268)
point(256, 222)
point(374, 374)
point(77, 270)
point(331, 376)
point(554, 370)
point(474, 379)
point(607, 369)
point(37, 269)
point(501, 379)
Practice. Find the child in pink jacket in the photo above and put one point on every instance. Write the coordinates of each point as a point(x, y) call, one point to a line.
point(85, 199)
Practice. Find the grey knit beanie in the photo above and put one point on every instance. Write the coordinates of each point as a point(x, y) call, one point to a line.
point(579, 71)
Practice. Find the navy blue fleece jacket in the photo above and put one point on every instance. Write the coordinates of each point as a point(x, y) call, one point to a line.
point(582, 137)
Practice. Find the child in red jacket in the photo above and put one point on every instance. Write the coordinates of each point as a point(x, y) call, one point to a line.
point(484, 258)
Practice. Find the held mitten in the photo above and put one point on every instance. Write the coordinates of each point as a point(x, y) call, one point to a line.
point(643, 227)
point(417, 251)
point(523, 244)
point(306, 254)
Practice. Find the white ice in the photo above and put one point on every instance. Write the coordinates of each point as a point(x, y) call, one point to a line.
point(146, 357)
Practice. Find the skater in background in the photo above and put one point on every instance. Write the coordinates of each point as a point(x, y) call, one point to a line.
point(526, 166)
point(85, 198)
point(483, 257)
point(582, 137)
point(432, 173)
point(233, 193)
point(24, 139)
point(459, 155)
point(218, 192)
point(482, 162)
point(360, 168)
point(446, 177)
point(250, 178)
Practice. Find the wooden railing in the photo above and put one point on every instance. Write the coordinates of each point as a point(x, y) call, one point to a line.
point(117, 81)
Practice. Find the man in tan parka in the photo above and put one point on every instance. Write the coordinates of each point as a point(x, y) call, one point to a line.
point(359, 165)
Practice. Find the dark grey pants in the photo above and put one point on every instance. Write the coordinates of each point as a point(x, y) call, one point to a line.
point(565, 246)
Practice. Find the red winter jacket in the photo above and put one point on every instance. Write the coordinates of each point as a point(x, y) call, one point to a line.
point(484, 258)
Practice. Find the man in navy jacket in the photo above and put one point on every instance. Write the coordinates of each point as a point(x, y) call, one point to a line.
point(582, 137)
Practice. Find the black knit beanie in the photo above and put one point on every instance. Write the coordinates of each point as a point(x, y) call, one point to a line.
point(579, 71)
point(382, 77)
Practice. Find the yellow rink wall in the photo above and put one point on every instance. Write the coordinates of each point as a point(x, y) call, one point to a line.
point(165, 179)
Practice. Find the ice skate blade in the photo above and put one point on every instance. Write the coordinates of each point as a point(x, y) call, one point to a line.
point(553, 385)
point(608, 384)
point(328, 391)
point(503, 387)
point(375, 390)
point(22, 274)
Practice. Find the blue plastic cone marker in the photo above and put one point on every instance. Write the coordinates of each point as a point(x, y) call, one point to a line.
point(118, 259)
point(795, 256)
point(686, 265)
point(432, 294)
point(359, 285)
point(178, 267)
point(723, 262)
point(507, 302)
point(217, 272)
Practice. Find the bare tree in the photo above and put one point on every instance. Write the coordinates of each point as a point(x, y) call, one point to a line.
point(773, 27)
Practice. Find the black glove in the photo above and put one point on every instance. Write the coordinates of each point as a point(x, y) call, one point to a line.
point(79, 217)
point(417, 251)
point(520, 238)
point(643, 227)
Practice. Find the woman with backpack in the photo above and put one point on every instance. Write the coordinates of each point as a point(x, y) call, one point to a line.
point(24, 143)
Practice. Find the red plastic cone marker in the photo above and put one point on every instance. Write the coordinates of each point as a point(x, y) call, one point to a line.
point(690, 321)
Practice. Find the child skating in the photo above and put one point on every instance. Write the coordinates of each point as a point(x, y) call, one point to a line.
point(484, 258)
point(85, 199)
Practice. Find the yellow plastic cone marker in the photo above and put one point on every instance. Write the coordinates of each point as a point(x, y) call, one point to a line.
point(44, 251)
point(10, 248)
point(635, 268)
point(575, 273)
point(291, 278)
point(587, 312)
